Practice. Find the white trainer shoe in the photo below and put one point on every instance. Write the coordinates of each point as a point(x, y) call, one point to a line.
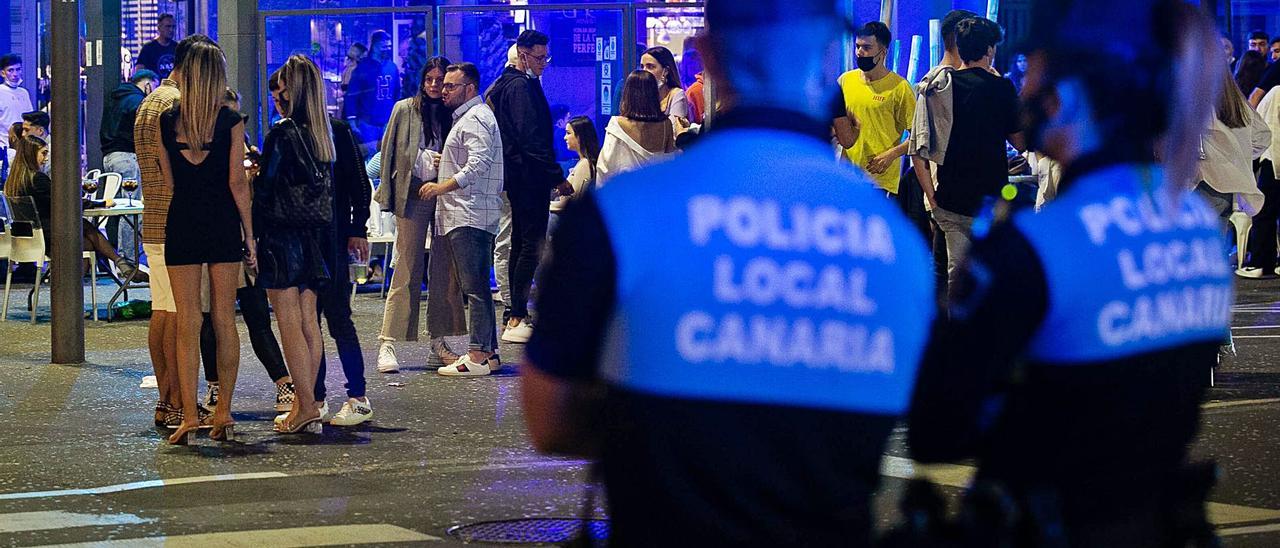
point(1252, 272)
point(519, 333)
point(464, 367)
point(353, 412)
point(387, 362)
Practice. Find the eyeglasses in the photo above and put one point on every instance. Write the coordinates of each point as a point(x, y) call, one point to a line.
point(451, 87)
point(543, 59)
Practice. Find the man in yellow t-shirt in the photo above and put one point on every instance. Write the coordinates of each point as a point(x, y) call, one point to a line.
point(880, 104)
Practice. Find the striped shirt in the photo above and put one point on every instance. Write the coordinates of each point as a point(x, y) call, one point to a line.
point(146, 139)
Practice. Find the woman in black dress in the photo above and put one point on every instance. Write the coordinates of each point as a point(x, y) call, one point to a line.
point(209, 224)
point(292, 267)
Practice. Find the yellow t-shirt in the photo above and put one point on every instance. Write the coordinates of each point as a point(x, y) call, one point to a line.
point(884, 109)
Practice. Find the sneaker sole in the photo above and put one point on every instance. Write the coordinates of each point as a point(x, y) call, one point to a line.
point(460, 374)
point(364, 419)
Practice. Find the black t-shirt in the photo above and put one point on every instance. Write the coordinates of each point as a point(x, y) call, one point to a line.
point(1270, 78)
point(985, 112)
point(158, 58)
point(696, 472)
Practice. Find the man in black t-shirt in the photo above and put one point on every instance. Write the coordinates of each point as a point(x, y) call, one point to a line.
point(985, 114)
point(1270, 79)
point(157, 55)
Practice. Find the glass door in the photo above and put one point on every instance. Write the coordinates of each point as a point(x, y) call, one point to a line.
point(588, 51)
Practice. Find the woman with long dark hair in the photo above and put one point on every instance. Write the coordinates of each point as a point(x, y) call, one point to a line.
point(209, 223)
point(641, 133)
point(1249, 71)
point(411, 145)
point(659, 62)
point(580, 137)
point(292, 266)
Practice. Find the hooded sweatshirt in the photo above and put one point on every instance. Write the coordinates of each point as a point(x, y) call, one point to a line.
point(117, 118)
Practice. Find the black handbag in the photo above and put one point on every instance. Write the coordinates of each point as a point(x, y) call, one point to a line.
point(301, 195)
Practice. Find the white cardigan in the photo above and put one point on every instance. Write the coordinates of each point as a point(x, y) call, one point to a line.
point(621, 154)
point(1228, 160)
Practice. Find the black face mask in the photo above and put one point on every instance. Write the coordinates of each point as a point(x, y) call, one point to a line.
point(867, 64)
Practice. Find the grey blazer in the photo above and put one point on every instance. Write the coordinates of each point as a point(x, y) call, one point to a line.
point(399, 151)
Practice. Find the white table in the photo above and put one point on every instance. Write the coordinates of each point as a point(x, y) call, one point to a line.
point(130, 210)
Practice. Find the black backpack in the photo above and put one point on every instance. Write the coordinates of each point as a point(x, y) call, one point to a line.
point(301, 196)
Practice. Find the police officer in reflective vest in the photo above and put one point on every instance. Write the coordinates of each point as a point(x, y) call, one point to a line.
point(1076, 357)
point(751, 313)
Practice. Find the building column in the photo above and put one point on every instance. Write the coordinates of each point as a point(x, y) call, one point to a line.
point(66, 281)
point(102, 70)
point(238, 36)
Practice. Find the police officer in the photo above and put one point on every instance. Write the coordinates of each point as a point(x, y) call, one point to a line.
point(756, 336)
point(1080, 346)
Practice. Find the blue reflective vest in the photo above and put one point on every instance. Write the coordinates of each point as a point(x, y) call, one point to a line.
point(1128, 270)
point(754, 269)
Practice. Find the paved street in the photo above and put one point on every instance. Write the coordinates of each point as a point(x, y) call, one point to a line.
point(80, 461)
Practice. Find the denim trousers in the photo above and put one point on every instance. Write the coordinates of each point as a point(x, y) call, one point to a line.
point(470, 250)
point(334, 303)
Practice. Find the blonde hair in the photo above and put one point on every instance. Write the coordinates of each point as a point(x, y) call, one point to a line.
point(306, 94)
point(26, 164)
point(1233, 108)
point(203, 80)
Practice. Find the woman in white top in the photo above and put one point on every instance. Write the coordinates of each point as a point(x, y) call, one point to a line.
point(659, 62)
point(641, 134)
point(580, 136)
point(1236, 137)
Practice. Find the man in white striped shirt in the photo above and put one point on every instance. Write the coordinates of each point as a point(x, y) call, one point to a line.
point(468, 209)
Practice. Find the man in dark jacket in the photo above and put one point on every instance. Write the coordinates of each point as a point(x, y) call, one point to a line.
point(524, 118)
point(373, 91)
point(116, 134)
point(351, 195)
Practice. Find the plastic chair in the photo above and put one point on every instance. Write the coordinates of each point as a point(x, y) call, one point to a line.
point(27, 246)
point(5, 242)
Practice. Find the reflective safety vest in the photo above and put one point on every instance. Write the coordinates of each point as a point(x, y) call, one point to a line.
point(754, 269)
point(1128, 270)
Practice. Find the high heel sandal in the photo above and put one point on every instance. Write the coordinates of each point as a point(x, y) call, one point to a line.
point(223, 432)
point(163, 410)
point(310, 426)
point(182, 436)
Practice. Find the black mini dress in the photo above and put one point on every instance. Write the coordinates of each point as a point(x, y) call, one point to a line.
point(204, 224)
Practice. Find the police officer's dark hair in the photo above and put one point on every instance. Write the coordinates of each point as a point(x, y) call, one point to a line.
point(143, 75)
point(878, 30)
point(976, 35)
point(9, 60)
point(1146, 87)
point(1258, 35)
point(949, 22)
point(531, 38)
point(164, 16)
point(184, 47)
point(468, 70)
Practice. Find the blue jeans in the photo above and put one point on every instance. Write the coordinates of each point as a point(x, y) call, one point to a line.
point(334, 302)
point(126, 164)
point(470, 250)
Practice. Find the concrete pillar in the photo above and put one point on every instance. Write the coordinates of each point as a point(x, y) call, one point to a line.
point(64, 229)
point(238, 36)
point(102, 71)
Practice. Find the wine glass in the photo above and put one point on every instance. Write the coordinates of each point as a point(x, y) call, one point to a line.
point(90, 186)
point(129, 186)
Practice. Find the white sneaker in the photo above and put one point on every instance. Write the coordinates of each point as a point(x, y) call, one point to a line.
point(464, 367)
point(324, 413)
point(1251, 272)
point(149, 381)
point(353, 412)
point(387, 362)
point(519, 333)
